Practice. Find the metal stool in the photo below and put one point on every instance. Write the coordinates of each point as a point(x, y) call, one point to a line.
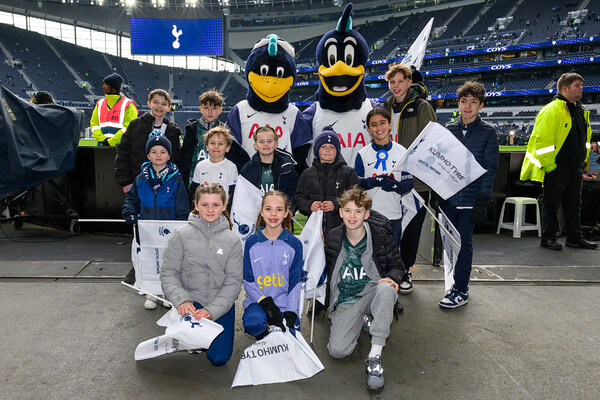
point(519, 225)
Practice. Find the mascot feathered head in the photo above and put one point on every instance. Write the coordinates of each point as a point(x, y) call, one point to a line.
point(341, 55)
point(270, 72)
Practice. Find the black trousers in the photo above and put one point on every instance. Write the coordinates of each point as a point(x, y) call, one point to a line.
point(562, 187)
point(411, 235)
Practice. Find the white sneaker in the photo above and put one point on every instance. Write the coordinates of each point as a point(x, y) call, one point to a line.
point(150, 304)
point(406, 285)
point(454, 299)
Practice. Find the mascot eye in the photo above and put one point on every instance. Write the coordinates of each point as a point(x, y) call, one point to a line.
point(264, 69)
point(280, 72)
point(349, 54)
point(332, 55)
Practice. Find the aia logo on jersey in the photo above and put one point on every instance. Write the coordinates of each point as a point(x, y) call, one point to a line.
point(352, 139)
point(278, 130)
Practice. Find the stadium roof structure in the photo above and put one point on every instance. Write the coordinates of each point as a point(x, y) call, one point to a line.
point(223, 6)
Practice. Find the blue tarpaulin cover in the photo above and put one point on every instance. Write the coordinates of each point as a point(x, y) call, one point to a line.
point(37, 142)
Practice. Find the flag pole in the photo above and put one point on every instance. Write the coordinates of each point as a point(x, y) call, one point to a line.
point(438, 221)
point(164, 301)
point(428, 210)
point(312, 321)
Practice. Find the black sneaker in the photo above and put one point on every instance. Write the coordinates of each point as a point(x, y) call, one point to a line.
point(406, 285)
point(454, 299)
point(551, 244)
point(581, 243)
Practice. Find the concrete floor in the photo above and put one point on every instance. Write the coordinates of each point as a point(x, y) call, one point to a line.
point(70, 329)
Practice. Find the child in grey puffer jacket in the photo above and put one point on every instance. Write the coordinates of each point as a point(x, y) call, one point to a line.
point(201, 272)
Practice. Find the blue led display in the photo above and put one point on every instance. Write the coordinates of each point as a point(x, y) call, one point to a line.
point(498, 67)
point(503, 93)
point(176, 36)
point(491, 50)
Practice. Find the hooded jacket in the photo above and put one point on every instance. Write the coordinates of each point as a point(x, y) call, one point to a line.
point(131, 152)
point(203, 262)
point(167, 202)
point(325, 182)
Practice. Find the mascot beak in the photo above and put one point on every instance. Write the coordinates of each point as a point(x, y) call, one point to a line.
point(341, 79)
point(269, 88)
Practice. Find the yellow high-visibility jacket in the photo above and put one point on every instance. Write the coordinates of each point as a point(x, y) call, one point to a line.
point(103, 129)
point(552, 125)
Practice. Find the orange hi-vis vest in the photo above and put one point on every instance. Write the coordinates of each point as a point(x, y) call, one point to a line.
point(111, 119)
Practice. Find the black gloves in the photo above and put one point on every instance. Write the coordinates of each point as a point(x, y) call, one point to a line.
point(105, 142)
point(392, 185)
point(370, 183)
point(290, 318)
point(479, 214)
point(273, 312)
point(131, 219)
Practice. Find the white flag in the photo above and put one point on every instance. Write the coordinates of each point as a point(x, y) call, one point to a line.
point(245, 208)
point(147, 255)
point(184, 332)
point(314, 255)
point(451, 249)
point(411, 204)
point(279, 357)
point(441, 161)
point(415, 54)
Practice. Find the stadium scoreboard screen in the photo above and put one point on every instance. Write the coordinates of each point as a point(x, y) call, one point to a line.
point(176, 36)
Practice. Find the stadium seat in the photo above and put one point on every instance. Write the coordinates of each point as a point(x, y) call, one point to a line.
point(518, 224)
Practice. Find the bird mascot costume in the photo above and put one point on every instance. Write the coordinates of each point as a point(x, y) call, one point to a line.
point(342, 97)
point(270, 72)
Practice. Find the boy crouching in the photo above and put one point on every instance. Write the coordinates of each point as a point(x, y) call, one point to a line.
point(364, 269)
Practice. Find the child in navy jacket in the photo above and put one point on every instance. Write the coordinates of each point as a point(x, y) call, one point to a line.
point(158, 192)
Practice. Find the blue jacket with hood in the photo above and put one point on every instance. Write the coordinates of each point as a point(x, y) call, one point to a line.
point(166, 201)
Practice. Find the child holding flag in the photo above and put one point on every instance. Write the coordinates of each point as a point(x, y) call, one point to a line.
point(201, 273)
point(272, 269)
point(157, 193)
point(328, 177)
point(375, 165)
point(467, 207)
